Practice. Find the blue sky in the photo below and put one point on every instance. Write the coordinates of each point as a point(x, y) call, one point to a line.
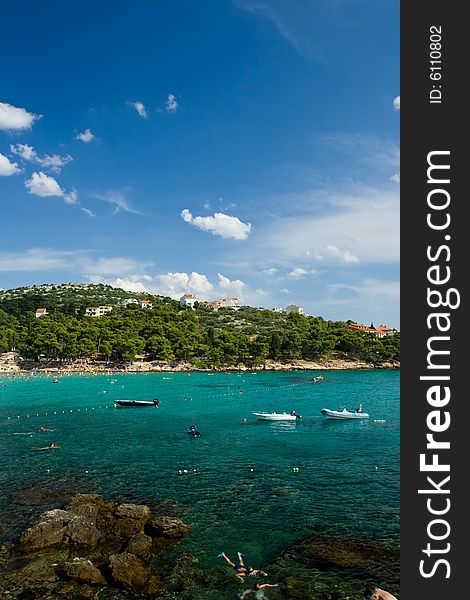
point(223, 148)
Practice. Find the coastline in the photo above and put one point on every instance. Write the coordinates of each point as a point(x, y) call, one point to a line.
point(81, 367)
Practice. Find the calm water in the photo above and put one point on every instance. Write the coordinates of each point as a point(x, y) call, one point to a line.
point(254, 487)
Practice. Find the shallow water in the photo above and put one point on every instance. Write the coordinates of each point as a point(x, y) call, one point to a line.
point(255, 487)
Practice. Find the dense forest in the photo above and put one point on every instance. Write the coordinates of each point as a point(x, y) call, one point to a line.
point(202, 336)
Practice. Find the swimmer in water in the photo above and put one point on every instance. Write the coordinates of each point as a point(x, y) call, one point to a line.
point(257, 590)
point(50, 447)
point(240, 568)
point(42, 428)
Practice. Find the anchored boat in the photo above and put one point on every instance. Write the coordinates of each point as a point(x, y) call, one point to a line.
point(274, 416)
point(355, 413)
point(136, 403)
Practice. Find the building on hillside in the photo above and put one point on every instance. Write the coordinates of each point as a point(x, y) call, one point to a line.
point(278, 309)
point(145, 304)
point(188, 300)
point(97, 311)
point(230, 303)
point(361, 327)
point(128, 301)
point(295, 308)
point(41, 312)
point(383, 331)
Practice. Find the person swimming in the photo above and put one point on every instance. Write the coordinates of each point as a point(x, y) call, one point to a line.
point(240, 567)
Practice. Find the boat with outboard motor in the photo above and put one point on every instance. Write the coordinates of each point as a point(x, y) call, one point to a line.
point(136, 403)
point(354, 413)
point(274, 416)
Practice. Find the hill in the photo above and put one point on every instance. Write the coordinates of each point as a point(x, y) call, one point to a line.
point(203, 336)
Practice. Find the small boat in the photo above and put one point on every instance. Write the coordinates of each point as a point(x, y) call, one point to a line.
point(136, 403)
point(355, 413)
point(274, 416)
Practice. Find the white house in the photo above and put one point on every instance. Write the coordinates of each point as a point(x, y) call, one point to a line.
point(145, 304)
point(128, 301)
point(41, 312)
point(294, 308)
point(188, 300)
point(97, 311)
point(229, 302)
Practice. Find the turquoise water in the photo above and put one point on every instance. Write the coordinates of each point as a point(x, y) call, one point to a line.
point(254, 486)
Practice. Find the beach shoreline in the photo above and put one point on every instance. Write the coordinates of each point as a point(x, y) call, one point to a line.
point(81, 367)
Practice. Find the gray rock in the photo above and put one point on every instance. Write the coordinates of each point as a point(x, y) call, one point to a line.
point(139, 544)
point(132, 574)
point(83, 570)
point(80, 531)
point(169, 527)
point(130, 519)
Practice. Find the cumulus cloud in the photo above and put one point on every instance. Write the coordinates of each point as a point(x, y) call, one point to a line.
point(219, 224)
point(396, 103)
point(15, 119)
point(171, 104)
point(86, 136)
point(7, 167)
point(234, 286)
point(43, 185)
point(140, 108)
point(270, 271)
point(395, 177)
point(284, 291)
point(54, 162)
point(298, 273)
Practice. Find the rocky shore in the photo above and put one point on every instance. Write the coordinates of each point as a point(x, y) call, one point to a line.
point(83, 367)
point(94, 548)
point(92, 544)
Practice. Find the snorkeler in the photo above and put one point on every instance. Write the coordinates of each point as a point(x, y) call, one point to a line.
point(240, 568)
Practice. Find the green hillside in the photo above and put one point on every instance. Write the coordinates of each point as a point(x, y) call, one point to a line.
point(202, 336)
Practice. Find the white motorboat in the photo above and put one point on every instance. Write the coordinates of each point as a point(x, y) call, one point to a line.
point(274, 416)
point(355, 413)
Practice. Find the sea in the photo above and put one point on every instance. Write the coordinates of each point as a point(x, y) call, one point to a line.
point(244, 485)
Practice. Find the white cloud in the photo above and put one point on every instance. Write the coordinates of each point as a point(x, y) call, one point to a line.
point(43, 185)
point(7, 167)
point(234, 286)
point(37, 259)
point(86, 136)
point(140, 108)
point(71, 197)
point(177, 284)
point(298, 273)
point(117, 265)
point(171, 104)
point(88, 212)
point(350, 228)
point(118, 200)
point(270, 271)
point(24, 151)
point(396, 103)
point(395, 177)
point(343, 255)
point(284, 291)
point(13, 118)
point(219, 224)
point(54, 162)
